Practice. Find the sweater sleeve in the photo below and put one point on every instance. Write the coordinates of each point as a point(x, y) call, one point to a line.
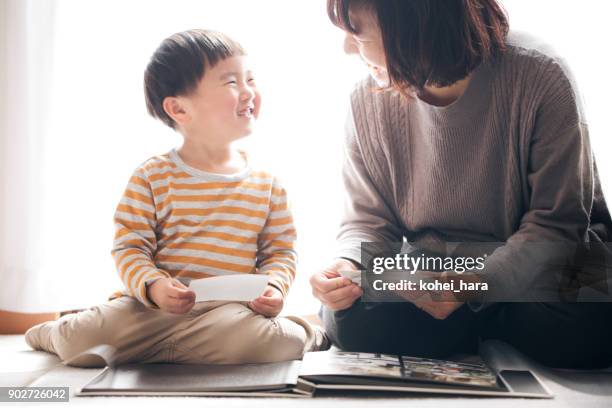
point(560, 179)
point(276, 256)
point(135, 240)
point(367, 214)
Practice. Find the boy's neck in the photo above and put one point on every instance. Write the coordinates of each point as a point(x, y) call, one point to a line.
point(223, 159)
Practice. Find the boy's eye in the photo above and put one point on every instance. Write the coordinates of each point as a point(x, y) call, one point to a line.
point(230, 82)
point(251, 80)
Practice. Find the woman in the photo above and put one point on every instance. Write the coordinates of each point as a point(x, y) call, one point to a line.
point(474, 135)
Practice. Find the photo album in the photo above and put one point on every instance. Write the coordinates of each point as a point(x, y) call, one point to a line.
point(333, 370)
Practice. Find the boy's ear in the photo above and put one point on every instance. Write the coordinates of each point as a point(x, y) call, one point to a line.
point(174, 107)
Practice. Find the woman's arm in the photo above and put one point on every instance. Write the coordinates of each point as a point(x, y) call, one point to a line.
point(367, 218)
point(559, 171)
point(367, 215)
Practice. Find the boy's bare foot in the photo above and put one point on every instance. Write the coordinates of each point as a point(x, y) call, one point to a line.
point(39, 337)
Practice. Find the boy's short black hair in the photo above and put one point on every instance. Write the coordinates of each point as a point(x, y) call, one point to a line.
point(180, 62)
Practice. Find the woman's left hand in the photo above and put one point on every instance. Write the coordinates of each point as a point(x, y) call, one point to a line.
point(438, 304)
point(269, 304)
point(438, 309)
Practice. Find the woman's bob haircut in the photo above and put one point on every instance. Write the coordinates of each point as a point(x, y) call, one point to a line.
point(430, 42)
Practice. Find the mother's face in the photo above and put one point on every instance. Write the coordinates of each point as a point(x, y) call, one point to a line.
point(368, 43)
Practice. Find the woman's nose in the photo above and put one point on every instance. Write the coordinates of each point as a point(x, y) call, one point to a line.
point(349, 44)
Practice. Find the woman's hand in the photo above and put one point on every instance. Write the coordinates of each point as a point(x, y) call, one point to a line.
point(438, 309)
point(332, 289)
point(438, 304)
point(269, 304)
point(171, 296)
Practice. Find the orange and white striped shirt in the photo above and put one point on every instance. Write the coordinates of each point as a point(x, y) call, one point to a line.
point(177, 221)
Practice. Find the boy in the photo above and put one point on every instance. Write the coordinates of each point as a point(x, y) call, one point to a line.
point(196, 212)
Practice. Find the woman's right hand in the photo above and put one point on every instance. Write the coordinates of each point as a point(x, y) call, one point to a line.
point(333, 290)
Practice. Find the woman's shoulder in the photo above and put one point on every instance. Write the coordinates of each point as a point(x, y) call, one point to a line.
point(369, 103)
point(530, 46)
point(534, 60)
point(364, 91)
point(532, 69)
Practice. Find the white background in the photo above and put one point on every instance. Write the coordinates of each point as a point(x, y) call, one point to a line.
point(99, 130)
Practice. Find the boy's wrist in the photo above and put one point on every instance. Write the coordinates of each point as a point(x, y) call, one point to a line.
point(149, 290)
point(279, 290)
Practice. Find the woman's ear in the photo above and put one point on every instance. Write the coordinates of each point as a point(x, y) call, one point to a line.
point(176, 109)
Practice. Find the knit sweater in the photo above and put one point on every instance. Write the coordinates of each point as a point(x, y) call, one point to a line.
point(177, 221)
point(509, 161)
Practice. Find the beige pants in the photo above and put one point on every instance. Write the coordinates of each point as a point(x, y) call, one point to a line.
point(212, 332)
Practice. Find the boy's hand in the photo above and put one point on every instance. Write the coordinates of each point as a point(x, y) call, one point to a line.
point(171, 296)
point(269, 304)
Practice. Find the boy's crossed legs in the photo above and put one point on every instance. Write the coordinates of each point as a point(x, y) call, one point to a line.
point(212, 332)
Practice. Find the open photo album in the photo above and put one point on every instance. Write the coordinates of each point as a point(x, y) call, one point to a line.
point(335, 371)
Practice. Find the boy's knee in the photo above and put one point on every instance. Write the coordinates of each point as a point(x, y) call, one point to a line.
point(266, 341)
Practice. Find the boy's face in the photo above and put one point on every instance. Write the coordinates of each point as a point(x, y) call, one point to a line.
point(225, 103)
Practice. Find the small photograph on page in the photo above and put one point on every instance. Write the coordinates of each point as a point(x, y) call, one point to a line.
point(453, 372)
point(365, 364)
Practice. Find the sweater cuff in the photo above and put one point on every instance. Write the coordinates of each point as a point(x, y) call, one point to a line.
point(351, 250)
point(275, 285)
point(278, 281)
point(141, 291)
point(493, 275)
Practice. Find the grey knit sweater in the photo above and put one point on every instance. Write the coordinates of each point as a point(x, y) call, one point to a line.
point(509, 161)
